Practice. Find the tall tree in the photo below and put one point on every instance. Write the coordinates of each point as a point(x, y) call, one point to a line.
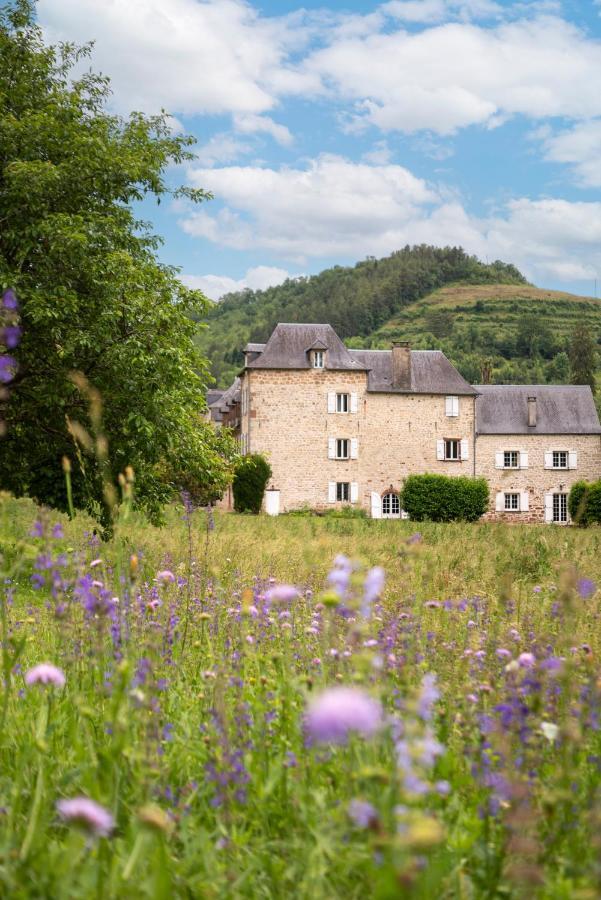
point(93, 296)
point(583, 357)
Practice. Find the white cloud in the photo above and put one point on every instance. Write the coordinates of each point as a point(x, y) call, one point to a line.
point(222, 148)
point(251, 123)
point(454, 75)
point(187, 56)
point(257, 279)
point(430, 11)
point(374, 210)
point(580, 147)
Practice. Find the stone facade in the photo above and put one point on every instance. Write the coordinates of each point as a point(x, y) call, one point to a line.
point(403, 412)
point(535, 480)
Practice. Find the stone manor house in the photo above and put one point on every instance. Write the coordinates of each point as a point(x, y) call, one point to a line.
point(344, 426)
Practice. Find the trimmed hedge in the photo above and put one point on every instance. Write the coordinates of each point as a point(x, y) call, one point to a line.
point(443, 498)
point(584, 503)
point(250, 480)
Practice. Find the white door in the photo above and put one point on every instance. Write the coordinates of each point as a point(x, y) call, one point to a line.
point(391, 506)
point(272, 503)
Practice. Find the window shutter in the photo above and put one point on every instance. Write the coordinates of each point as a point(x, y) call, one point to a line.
point(448, 406)
point(331, 448)
point(548, 507)
point(465, 449)
point(331, 401)
point(354, 448)
point(499, 459)
point(353, 403)
point(572, 459)
point(455, 406)
point(354, 491)
point(500, 502)
point(376, 505)
point(548, 460)
point(331, 492)
point(439, 449)
point(524, 501)
point(523, 459)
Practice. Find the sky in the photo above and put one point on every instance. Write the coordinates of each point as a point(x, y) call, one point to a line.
point(332, 132)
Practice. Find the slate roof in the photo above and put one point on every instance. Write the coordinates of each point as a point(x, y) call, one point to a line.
point(431, 373)
point(288, 346)
point(213, 396)
point(224, 400)
point(560, 409)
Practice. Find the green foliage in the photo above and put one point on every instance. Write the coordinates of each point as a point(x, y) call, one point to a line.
point(443, 498)
point(584, 503)
point(355, 301)
point(94, 298)
point(250, 480)
point(583, 357)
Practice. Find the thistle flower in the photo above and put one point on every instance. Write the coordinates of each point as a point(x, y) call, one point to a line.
point(45, 673)
point(339, 711)
point(87, 814)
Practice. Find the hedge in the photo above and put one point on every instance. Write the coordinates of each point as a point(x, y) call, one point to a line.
point(584, 503)
point(250, 480)
point(442, 498)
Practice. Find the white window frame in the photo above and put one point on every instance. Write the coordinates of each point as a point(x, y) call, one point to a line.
point(451, 406)
point(512, 501)
point(447, 443)
point(342, 448)
point(513, 454)
point(391, 505)
point(558, 455)
point(560, 501)
point(318, 359)
point(342, 488)
point(343, 400)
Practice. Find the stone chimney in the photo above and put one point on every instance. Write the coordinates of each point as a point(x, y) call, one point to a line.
point(401, 365)
point(531, 412)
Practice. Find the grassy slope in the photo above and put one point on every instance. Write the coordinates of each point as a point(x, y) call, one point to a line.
point(499, 306)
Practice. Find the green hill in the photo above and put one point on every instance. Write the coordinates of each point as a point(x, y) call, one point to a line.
point(488, 320)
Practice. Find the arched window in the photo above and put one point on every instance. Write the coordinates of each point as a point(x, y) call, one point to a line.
point(391, 506)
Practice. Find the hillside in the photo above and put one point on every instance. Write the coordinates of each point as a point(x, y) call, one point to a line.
point(488, 320)
point(518, 333)
point(355, 300)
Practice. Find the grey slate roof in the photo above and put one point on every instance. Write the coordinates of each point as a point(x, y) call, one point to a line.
point(254, 348)
point(431, 373)
point(560, 409)
point(213, 396)
point(229, 397)
point(289, 342)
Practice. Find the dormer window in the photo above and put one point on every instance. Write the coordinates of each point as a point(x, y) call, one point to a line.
point(318, 359)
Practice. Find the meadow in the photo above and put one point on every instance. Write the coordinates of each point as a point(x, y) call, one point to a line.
point(238, 706)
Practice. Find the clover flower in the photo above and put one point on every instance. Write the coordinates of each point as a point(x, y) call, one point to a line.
point(338, 712)
point(87, 814)
point(45, 673)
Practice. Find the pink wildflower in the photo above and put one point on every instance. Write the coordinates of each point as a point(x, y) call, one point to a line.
point(45, 673)
point(87, 814)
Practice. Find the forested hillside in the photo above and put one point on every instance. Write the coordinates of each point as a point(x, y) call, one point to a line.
point(488, 320)
point(355, 300)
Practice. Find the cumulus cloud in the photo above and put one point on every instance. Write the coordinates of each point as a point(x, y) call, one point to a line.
point(257, 279)
point(454, 75)
point(579, 147)
point(190, 57)
point(376, 209)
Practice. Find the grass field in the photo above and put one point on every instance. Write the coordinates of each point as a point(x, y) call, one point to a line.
point(433, 735)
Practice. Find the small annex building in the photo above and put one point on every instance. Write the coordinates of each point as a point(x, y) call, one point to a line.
point(343, 426)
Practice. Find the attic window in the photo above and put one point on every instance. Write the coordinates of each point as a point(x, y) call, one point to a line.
point(318, 359)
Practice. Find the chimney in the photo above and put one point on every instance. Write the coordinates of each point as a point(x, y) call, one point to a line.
point(401, 365)
point(531, 412)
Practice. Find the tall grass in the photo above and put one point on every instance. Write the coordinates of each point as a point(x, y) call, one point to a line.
point(187, 685)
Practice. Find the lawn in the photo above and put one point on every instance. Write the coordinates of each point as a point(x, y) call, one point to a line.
point(298, 707)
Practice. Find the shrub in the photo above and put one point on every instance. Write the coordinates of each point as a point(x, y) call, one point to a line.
point(441, 498)
point(584, 503)
point(250, 480)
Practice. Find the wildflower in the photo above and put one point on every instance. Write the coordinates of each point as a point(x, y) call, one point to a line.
point(57, 531)
point(339, 711)
point(45, 673)
point(95, 562)
point(550, 731)
point(11, 335)
point(372, 588)
point(527, 660)
point(282, 593)
point(586, 588)
point(8, 366)
point(428, 696)
point(165, 576)
point(87, 814)
point(537, 589)
point(9, 299)
point(362, 813)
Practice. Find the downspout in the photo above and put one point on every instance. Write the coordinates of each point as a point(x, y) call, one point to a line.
point(474, 436)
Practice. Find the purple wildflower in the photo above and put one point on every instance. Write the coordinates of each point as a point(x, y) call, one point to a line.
point(8, 367)
point(527, 660)
point(373, 585)
point(362, 813)
point(9, 299)
point(11, 335)
point(89, 815)
point(165, 576)
point(282, 593)
point(45, 673)
point(339, 711)
point(586, 588)
point(428, 696)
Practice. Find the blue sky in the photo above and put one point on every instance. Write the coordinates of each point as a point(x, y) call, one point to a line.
point(328, 133)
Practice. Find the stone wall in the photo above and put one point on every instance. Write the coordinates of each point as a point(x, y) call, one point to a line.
point(535, 479)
